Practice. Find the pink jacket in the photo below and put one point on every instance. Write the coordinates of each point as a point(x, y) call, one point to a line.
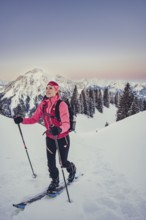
point(64, 124)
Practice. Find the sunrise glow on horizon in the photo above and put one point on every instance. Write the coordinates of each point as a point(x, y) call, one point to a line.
point(77, 39)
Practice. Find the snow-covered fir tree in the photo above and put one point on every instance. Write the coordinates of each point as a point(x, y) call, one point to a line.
point(99, 101)
point(144, 105)
point(125, 102)
point(135, 108)
point(140, 102)
point(81, 106)
point(106, 100)
point(117, 99)
point(91, 98)
point(111, 98)
point(74, 101)
point(85, 102)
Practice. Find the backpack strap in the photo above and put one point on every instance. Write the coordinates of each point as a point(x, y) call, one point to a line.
point(57, 113)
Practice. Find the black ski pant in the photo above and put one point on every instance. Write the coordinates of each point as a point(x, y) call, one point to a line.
point(64, 144)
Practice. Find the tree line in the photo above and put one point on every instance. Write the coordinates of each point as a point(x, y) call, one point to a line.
point(92, 98)
point(86, 102)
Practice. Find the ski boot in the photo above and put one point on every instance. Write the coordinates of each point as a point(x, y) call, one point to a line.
point(54, 183)
point(72, 171)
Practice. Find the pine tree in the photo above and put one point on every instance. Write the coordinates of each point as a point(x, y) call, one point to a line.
point(100, 101)
point(91, 102)
point(117, 99)
point(85, 103)
point(144, 105)
point(74, 101)
point(106, 99)
point(140, 104)
point(134, 109)
point(125, 102)
point(96, 98)
point(81, 105)
point(111, 98)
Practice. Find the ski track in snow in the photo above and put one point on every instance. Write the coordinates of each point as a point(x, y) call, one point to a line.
point(113, 196)
point(113, 199)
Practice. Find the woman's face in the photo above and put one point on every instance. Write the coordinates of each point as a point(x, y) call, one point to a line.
point(50, 91)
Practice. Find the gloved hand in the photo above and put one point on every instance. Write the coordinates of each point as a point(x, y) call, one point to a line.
point(55, 130)
point(18, 120)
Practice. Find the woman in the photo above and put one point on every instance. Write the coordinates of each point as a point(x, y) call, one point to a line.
point(46, 109)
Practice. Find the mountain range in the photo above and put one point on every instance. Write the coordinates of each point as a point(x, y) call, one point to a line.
point(29, 88)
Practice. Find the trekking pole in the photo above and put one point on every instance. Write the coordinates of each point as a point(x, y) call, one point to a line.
point(57, 146)
point(34, 175)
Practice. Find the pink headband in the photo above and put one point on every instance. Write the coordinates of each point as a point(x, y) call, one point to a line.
point(54, 84)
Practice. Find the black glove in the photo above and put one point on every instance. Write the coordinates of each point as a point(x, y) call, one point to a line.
point(18, 120)
point(55, 130)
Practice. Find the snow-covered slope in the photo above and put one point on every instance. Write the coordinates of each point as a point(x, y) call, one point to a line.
point(3, 84)
point(112, 160)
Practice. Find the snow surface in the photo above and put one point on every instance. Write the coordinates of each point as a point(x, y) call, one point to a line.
point(112, 159)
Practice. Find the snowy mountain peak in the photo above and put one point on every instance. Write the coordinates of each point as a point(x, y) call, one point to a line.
point(28, 88)
point(31, 82)
point(35, 72)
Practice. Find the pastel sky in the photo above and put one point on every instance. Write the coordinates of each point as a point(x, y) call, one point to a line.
point(75, 38)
